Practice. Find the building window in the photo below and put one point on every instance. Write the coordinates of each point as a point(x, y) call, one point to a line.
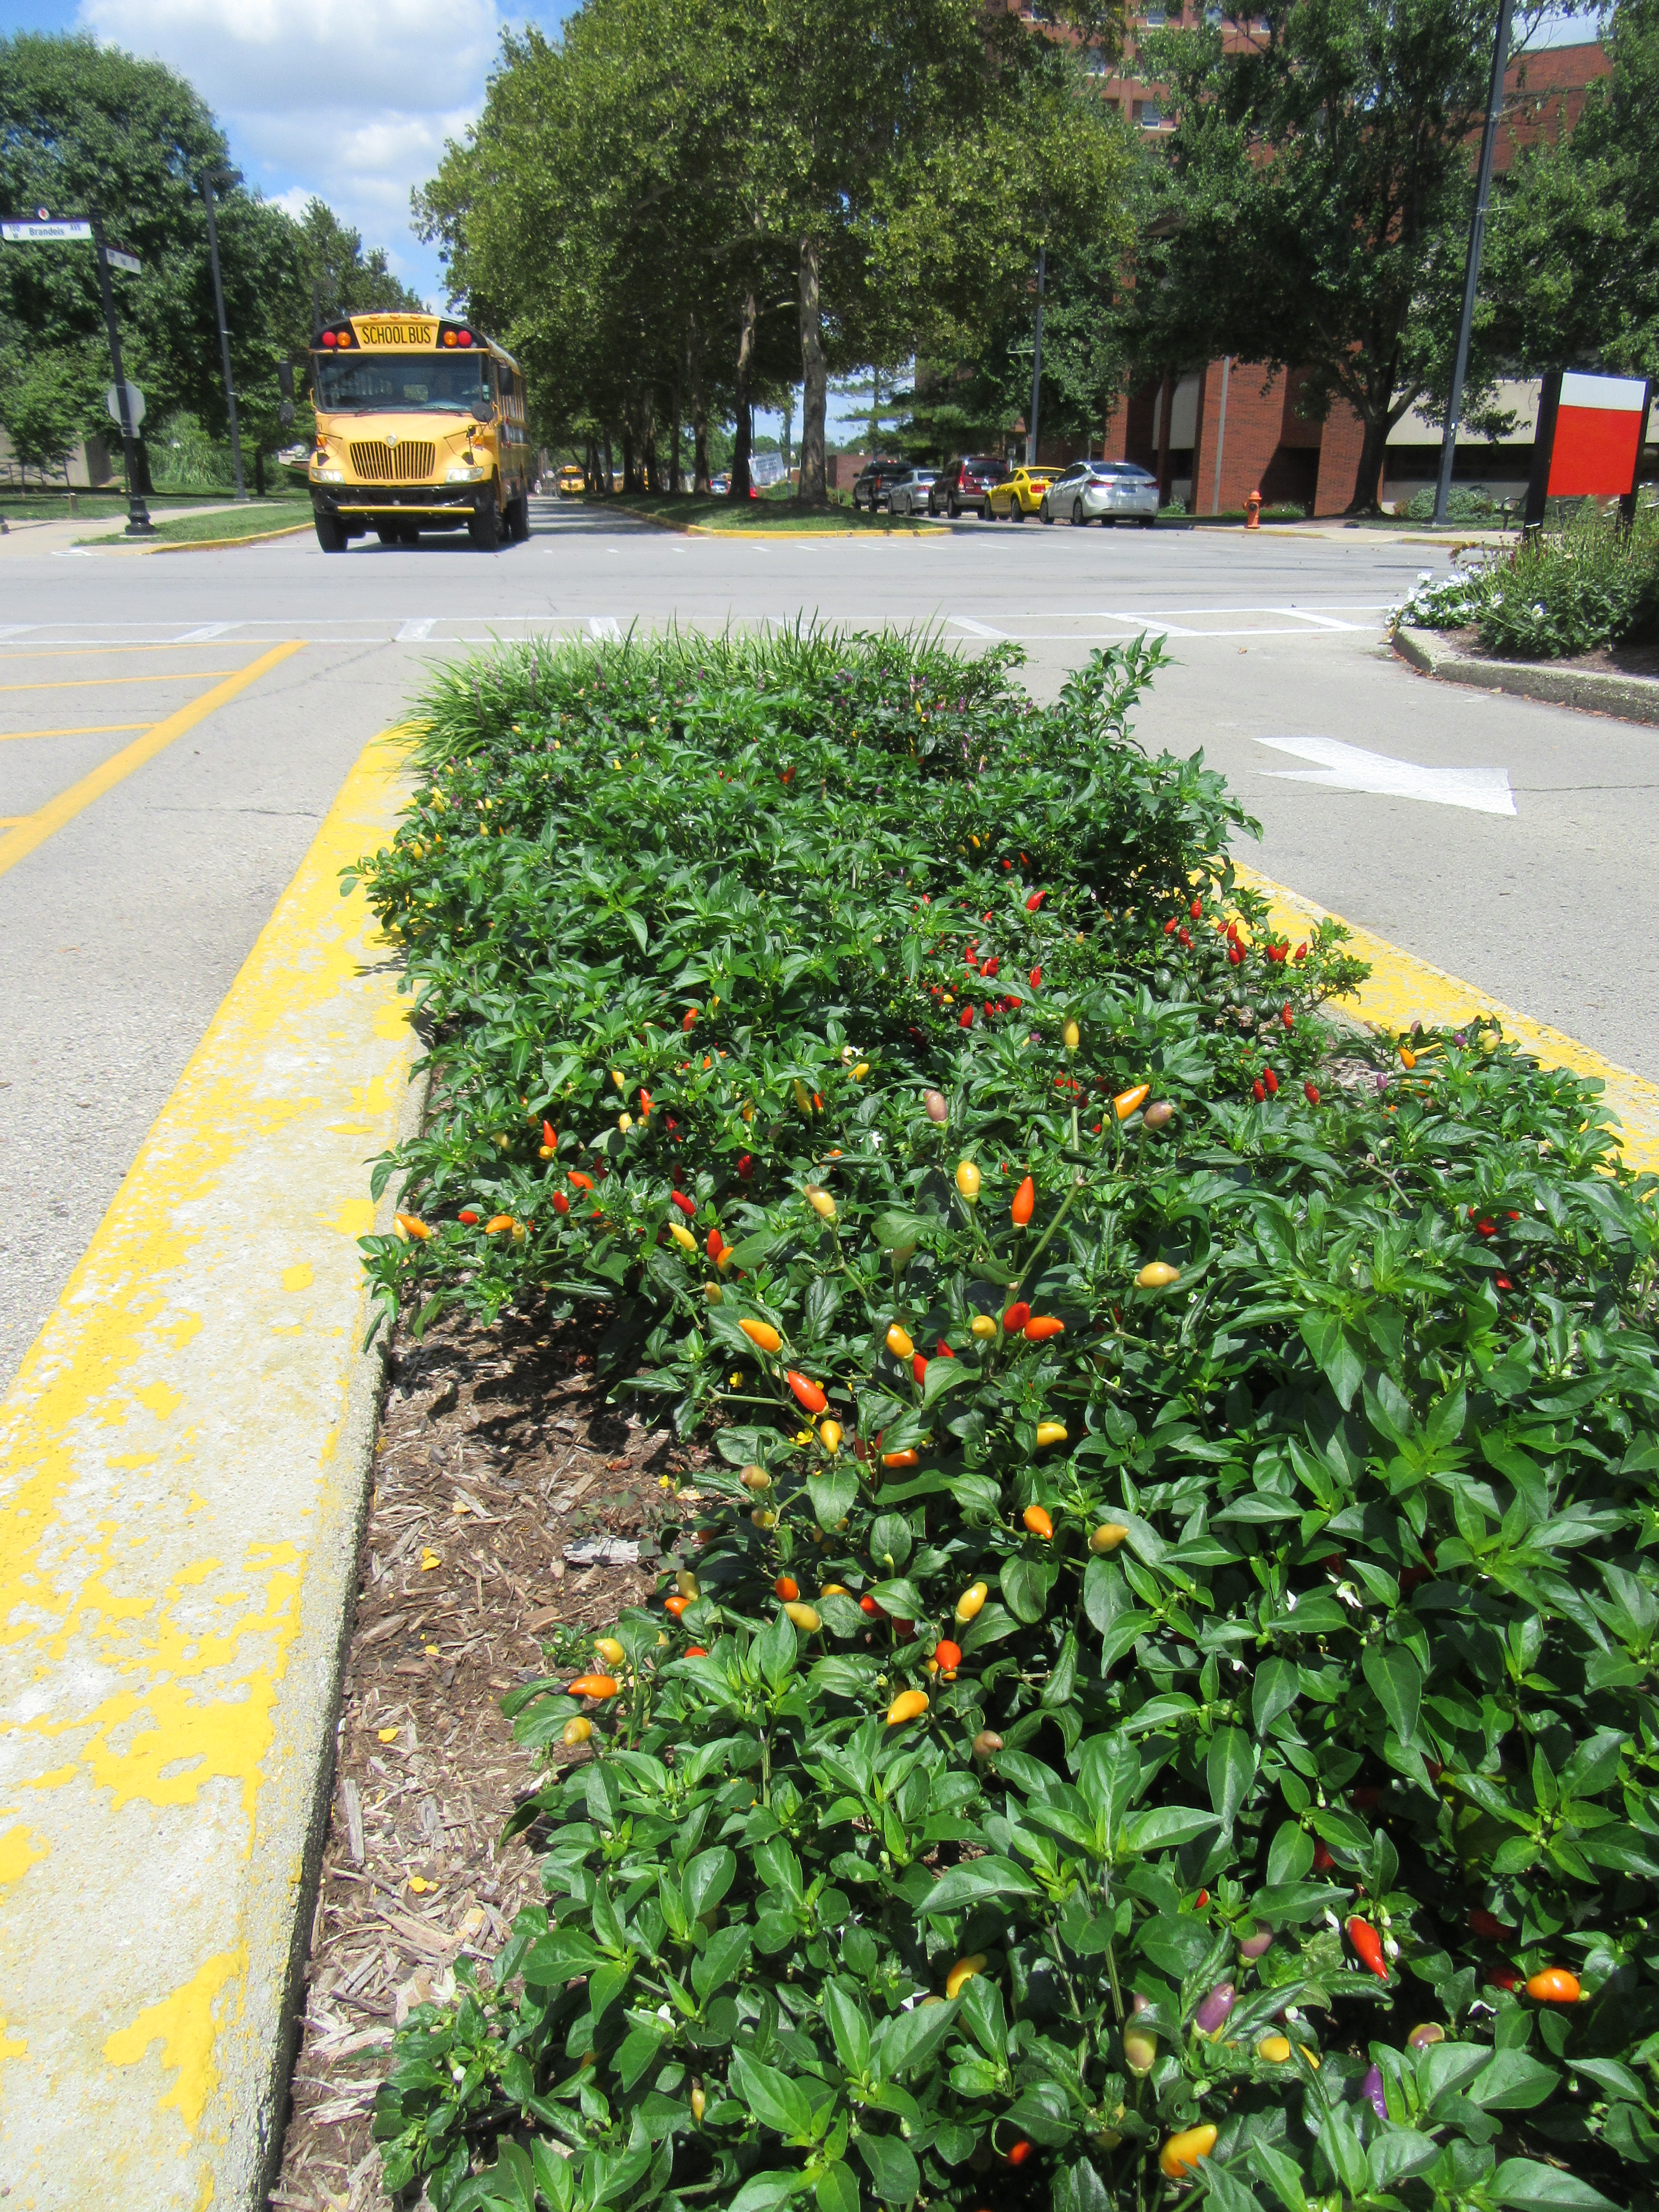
point(1155, 17)
point(1149, 115)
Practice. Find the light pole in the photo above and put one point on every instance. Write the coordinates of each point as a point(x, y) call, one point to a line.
point(1036, 360)
point(209, 178)
point(1472, 271)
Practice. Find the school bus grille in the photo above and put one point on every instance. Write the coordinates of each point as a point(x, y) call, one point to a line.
point(372, 461)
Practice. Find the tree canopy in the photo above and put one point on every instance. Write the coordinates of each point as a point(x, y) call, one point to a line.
point(676, 211)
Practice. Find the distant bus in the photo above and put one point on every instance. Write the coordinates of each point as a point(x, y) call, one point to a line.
point(420, 426)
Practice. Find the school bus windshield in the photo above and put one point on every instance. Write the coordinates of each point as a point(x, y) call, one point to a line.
point(401, 383)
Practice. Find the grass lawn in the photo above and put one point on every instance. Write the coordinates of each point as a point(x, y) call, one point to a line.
point(100, 505)
point(763, 513)
point(250, 521)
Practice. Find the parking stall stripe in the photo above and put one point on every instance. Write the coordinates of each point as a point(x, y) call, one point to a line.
point(20, 841)
point(83, 730)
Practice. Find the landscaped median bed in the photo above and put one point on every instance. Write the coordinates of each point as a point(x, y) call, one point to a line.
point(1161, 1704)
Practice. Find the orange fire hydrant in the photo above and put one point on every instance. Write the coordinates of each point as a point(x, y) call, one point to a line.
point(1253, 511)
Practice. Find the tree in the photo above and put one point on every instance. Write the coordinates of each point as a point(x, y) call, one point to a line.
point(1571, 269)
point(43, 402)
point(1338, 145)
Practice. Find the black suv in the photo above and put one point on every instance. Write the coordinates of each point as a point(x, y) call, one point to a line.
point(965, 482)
point(873, 479)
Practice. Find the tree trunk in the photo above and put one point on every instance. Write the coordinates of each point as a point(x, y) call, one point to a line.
point(1370, 475)
point(631, 466)
point(815, 384)
point(699, 406)
point(674, 444)
point(745, 426)
point(258, 472)
point(648, 440)
point(610, 465)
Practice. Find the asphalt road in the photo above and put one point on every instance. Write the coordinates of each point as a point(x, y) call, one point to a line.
point(123, 923)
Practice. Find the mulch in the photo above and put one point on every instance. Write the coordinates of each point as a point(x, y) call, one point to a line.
point(1603, 660)
point(497, 1451)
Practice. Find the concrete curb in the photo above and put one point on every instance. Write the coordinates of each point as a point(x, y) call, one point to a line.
point(1591, 691)
point(1401, 989)
point(194, 544)
point(184, 1465)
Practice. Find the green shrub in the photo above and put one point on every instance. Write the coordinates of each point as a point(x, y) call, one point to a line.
point(1594, 581)
point(184, 458)
point(1464, 504)
point(1317, 1590)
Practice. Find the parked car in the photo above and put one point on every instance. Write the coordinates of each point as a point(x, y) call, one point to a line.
point(907, 495)
point(572, 482)
point(719, 486)
point(873, 479)
point(966, 483)
point(1107, 492)
point(1018, 495)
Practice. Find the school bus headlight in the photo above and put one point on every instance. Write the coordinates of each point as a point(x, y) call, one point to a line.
point(327, 475)
point(465, 474)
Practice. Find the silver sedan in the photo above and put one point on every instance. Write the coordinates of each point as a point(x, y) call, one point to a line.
point(907, 495)
point(1106, 492)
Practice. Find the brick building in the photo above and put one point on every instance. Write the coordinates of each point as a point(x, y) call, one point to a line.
point(1214, 433)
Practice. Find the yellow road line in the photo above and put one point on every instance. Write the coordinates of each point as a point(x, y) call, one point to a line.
point(86, 730)
point(84, 682)
point(81, 651)
point(20, 841)
point(1401, 989)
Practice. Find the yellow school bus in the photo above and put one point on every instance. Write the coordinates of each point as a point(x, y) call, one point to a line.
point(420, 426)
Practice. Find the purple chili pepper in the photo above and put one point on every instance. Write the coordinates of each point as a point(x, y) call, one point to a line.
point(1252, 1946)
point(1371, 2086)
point(1211, 2015)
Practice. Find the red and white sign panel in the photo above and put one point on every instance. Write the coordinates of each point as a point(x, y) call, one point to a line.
point(1598, 436)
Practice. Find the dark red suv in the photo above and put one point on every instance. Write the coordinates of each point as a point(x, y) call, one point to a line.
point(965, 483)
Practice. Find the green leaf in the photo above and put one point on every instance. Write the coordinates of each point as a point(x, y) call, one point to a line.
point(1025, 1584)
point(763, 2192)
point(894, 2171)
point(1396, 1682)
point(1526, 2184)
point(775, 2100)
point(1513, 2082)
point(978, 1881)
point(1276, 1688)
point(838, 2189)
point(1229, 1771)
point(1164, 1827)
point(833, 1494)
point(850, 2028)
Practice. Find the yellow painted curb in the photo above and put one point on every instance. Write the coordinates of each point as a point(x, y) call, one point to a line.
point(200, 544)
point(183, 1459)
point(1402, 990)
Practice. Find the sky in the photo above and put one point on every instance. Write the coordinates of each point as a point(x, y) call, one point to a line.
point(410, 73)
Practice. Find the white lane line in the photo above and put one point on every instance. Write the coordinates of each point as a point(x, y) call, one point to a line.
point(977, 629)
point(1306, 614)
point(605, 626)
point(17, 629)
point(412, 632)
point(1482, 790)
point(1159, 622)
point(207, 630)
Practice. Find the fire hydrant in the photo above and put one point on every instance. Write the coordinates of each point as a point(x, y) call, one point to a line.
point(1253, 511)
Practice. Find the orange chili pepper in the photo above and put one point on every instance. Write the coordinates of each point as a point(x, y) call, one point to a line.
point(1024, 1199)
point(806, 1391)
point(1040, 1327)
point(1036, 1520)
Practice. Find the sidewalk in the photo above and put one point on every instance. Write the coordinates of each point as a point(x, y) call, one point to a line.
point(183, 1464)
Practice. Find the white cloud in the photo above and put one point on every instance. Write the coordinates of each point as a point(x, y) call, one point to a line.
point(352, 104)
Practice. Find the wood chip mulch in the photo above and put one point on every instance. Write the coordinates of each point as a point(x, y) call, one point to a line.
point(497, 1451)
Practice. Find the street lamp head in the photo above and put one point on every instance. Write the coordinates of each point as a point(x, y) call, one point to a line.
point(223, 179)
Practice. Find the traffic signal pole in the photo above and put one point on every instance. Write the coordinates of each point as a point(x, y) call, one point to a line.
point(1472, 270)
point(139, 522)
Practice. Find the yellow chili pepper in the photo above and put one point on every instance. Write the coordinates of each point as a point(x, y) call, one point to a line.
point(1107, 1536)
point(968, 1180)
point(1127, 1101)
point(1069, 1036)
point(908, 1705)
point(899, 1344)
point(830, 1436)
point(971, 1600)
point(683, 1237)
point(577, 1731)
point(411, 1224)
point(761, 1333)
point(963, 1971)
point(609, 1647)
point(803, 1617)
point(981, 1326)
point(1051, 1433)
point(821, 1202)
point(1156, 1275)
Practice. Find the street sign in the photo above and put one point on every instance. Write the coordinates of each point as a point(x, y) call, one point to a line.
point(1591, 430)
point(135, 406)
point(40, 230)
point(118, 257)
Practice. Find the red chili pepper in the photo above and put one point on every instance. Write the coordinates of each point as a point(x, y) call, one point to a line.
point(1504, 1283)
point(551, 1136)
point(1501, 1977)
point(1016, 1318)
point(746, 1166)
point(1310, 1092)
point(1301, 952)
point(1271, 1080)
point(1041, 1327)
point(1019, 2151)
point(716, 1244)
point(967, 1018)
point(1184, 937)
point(1258, 1092)
point(560, 1204)
point(1486, 1229)
point(1035, 901)
point(688, 1206)
point(1196, 910)
point(467, 1217)
point(1234, 956)
point(789, 776)
point(867, 1604)
point(1368, 1947)
point(1024, 1199)
point(1487, 1924)
point(1512, 1217)
point(919, 1367)
point(1036, 979)
point(1322, 1860)
point(990, 968)
point(1171, 925)
point(806, 1390)
point(689, 1019)
point(581, 1180)
point(1287, 1016)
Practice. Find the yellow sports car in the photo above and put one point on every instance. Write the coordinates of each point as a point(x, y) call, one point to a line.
point(1017, 495)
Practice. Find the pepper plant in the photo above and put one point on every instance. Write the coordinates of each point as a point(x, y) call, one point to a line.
point(1156, 1702)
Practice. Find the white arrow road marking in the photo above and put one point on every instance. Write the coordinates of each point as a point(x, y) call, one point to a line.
point(414, 631)
point(976, 629)
point(605, 626)
point(1351, 767)
point(207, 630)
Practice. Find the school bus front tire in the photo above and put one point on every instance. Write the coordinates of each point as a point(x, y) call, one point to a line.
point(331, 533)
